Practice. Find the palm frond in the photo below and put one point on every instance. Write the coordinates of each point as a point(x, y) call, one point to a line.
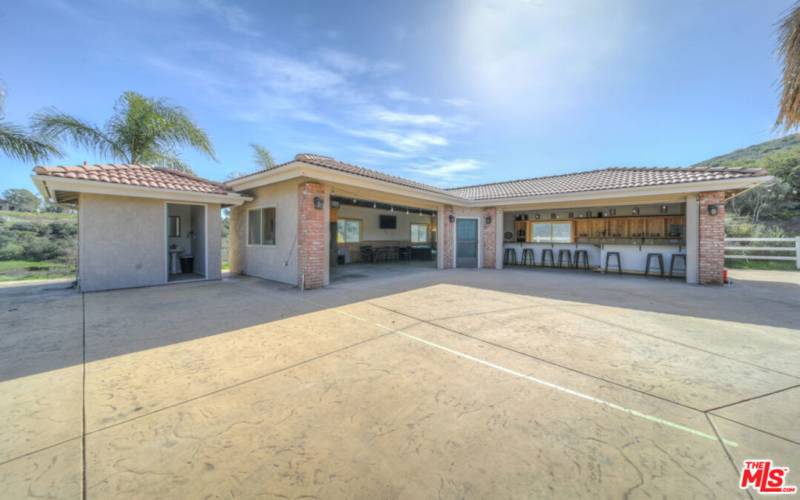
point(262, 156)
point(56, 126)
point(171, 162)
point(16, 143)
point(789, 52)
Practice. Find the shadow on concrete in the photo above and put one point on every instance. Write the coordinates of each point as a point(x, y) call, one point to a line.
point(43, 326)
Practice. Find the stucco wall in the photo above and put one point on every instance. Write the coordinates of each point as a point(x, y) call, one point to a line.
point(214, 241)
point(275, 262)
point(370, 224)
point(122, 242)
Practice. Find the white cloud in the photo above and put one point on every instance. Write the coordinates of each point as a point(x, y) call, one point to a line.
point(393, 117)
point(448, 171)
point(408, 142)
point(233, 16)
point(403, 96)
point(457, 102)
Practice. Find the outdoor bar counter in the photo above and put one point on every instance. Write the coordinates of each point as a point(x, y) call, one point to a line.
point(633, 252)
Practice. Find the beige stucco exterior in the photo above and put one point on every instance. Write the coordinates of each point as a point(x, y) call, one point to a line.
point(123, 242)
point(275, 262)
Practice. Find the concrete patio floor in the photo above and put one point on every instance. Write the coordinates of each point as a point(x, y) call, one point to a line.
point(482, 384)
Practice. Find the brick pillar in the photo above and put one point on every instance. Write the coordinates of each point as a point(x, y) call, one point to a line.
point(237, 240)
point(712, 238)
point(312, 252)
point(489, 237)
point(448, 233)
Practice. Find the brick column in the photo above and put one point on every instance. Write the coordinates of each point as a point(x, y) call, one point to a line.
point(712, 238)
point(448, 232)
point(489, 236)
point(312, 231)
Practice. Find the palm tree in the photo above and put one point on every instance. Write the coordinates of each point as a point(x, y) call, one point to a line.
point(262, 156)
point(789, 51)
point(17, 143)
point(141, 130)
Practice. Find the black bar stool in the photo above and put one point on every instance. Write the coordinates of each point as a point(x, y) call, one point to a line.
point(564, 252)
point(545, 253)
point(527, 257)
point(585, 255)
point(659, 258)
point(510, 257)
point(619, 261)
point(677, 256)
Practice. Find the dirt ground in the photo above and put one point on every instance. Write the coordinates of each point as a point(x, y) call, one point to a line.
point(452, 384)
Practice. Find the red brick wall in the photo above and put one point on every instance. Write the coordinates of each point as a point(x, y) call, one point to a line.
point(489, 236)
point(311, 232)
point(712, 238)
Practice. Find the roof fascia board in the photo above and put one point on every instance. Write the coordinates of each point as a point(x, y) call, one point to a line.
point(48, 185)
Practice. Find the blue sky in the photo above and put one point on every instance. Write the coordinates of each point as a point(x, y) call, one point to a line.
point(444, 92)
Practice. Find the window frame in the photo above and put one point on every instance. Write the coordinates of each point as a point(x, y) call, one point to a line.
point(532, 239)
point(360, 230)
point(427, 232)
point(260, 223)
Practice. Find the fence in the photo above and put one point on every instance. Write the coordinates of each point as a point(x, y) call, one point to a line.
point(779, 249)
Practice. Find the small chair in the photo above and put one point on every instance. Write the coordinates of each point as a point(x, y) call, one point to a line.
point(677, 256)
point(659, 258)
point(585, 255)
point(527, 257)
point(619, 262)
point(564, 252)
point(405, 253)
point(548, 252)
point(510, 257)
point(366, 253)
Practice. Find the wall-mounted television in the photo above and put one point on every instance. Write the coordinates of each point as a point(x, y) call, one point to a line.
point(388, 222)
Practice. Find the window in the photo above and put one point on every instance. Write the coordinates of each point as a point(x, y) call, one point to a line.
point(261, 226)
point(419, 233)
point(551, 232)
point(348, 231)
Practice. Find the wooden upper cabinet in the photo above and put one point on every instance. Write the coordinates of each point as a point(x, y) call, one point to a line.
point(598, 228)
point(656, 227)
point(583, 228)
point(617, 228)
point(676, 226)
point(636, 227)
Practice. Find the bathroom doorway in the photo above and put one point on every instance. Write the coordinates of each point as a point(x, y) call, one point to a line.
point(187, 245)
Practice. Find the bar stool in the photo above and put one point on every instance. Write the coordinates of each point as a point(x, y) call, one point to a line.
point(619, 261)
point(585, 255)
point(545, 253)
point(677, 256)
point(510, 257)
point(561, 254)
point(527, 257)
point(659, 258)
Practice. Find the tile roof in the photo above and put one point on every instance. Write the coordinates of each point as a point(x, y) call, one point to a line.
point(597, 180)
point(135, 175)
point(334, 164)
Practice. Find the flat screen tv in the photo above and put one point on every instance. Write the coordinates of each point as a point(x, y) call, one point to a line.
point(388, 222)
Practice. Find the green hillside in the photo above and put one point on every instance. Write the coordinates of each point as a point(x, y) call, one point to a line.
point(765, 155)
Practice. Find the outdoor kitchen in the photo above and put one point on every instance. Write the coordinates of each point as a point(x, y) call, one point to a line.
point(625, 239)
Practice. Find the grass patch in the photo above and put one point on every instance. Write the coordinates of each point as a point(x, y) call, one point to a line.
point(23, 270)
point(764, 265)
